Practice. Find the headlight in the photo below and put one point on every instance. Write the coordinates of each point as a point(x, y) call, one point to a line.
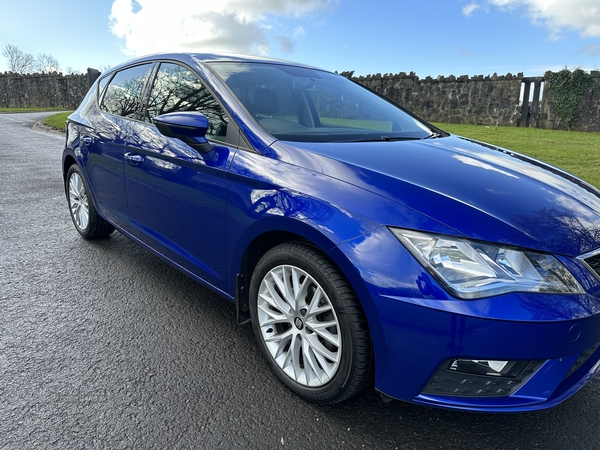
point(471, 269)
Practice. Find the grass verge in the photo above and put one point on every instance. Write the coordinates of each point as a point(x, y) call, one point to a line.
point(57, 121)
point(21, 110)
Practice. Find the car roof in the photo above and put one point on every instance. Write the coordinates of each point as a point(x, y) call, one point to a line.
point(189, 57)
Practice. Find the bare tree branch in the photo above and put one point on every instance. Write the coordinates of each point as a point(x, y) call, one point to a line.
point(46, 63)
point(18, 61)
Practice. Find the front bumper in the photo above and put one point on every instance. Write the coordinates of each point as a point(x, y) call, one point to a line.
point(417, 328)
point(419, 345)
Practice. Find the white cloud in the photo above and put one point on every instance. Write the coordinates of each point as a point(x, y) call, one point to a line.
point(470, 8)
point(557, 15)
point(246, 26)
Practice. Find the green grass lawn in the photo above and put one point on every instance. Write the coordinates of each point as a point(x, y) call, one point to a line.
point(578, 153)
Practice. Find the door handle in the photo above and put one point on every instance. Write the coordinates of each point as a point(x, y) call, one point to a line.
point(87, 140)
point(134, 158)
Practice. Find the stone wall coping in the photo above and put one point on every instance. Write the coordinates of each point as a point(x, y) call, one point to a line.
point(440, 78)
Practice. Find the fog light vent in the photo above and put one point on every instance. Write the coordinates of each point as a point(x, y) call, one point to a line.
point(582, 358)
point(480, 378)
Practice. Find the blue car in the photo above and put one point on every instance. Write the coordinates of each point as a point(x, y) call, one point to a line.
point(362, 243)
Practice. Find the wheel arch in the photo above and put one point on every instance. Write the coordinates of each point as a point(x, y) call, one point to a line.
point(265, 241)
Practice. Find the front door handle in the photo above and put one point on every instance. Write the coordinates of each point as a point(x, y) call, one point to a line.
point(134, 159)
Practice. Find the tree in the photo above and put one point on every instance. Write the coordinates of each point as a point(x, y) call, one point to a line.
point(18, 61)
point(46, 63)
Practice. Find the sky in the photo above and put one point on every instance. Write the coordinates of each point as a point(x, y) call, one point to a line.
point(430, 38)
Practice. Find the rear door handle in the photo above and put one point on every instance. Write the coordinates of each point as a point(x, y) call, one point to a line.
point(134, 159)
point(87, 140)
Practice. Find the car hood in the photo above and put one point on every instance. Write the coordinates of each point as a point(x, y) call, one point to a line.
point(481, 191)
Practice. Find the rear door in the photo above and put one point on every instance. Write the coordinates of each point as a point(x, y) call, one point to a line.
point(106, 141)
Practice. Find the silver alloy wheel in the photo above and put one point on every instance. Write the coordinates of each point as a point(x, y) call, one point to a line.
point(78, 201)
point(299, 326)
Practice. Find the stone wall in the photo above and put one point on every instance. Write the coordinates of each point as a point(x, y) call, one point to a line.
point(490, 100)
point(42, 90)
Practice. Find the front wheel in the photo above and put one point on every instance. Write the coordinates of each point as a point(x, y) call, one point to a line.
point(309, 324)
point(85, 218)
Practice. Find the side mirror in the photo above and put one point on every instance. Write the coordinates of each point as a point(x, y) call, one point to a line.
point(189, 127)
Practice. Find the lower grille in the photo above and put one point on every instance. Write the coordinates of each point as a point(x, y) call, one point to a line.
point(456, 384)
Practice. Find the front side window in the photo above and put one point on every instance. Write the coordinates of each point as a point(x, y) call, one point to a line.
point(308, 105)
point(123, 95)
point(178, 89)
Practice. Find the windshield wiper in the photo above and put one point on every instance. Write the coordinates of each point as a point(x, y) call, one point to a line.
point(433, 135)
point(386, 139)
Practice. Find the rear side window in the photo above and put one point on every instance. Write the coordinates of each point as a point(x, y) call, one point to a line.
point(178, 89)
point(124, 93)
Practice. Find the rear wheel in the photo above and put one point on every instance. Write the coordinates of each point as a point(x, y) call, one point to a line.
point(85, 218)
point(309, 324)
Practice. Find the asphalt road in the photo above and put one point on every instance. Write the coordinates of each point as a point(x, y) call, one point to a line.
point(102, 345)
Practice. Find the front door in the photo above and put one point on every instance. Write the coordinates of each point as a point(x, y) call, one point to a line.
point(176, 195)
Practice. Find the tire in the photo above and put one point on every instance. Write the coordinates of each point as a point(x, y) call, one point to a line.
point(83, 213)
point(309, 324)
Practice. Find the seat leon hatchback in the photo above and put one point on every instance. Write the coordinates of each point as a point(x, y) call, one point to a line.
point(363, 244)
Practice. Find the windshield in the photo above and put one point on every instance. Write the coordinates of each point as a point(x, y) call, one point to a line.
point(308, 105)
